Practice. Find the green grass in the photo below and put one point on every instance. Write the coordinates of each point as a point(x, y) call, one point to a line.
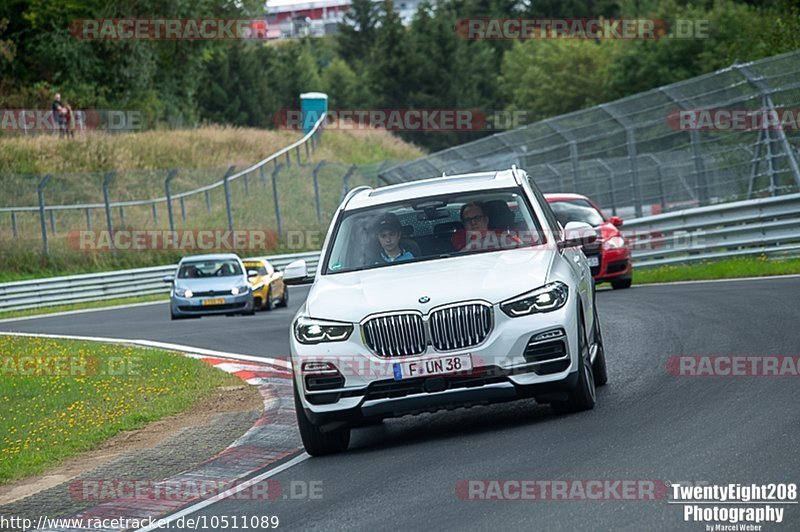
point(722, 269)
point(206, 148)
point(85, 305)
point(98, 391)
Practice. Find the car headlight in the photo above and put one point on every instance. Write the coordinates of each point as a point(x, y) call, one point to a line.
point(615, 242)
point(183, 292)
point(236, 290)
point(312, 331)
point(549, 297)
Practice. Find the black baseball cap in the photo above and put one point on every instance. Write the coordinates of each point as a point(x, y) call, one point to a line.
point(388, 221)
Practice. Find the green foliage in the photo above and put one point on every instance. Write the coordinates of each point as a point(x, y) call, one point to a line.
point(373, 62)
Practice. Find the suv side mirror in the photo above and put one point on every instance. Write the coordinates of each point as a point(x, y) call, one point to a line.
point(296, 273)
point(168, 278)
point(615, 221)
point(578, 234)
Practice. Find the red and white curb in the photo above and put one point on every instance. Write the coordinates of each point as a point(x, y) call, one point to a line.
point(273, 438)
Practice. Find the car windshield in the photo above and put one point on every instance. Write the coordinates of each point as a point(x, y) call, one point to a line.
point(209, 268)
point(576, 210)
point(433, 227)
point(260, 268)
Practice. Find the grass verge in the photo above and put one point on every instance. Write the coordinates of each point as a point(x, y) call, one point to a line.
point(721, 269)
point(82, 306)
point(62, 397)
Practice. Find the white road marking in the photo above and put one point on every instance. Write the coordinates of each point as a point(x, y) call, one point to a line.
point(82, 311)
point(761, 278)
point(164, 521)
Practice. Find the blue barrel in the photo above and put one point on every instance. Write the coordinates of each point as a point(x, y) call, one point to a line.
point(312, 105)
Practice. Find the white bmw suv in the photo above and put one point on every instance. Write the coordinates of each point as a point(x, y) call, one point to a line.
point(442, 293)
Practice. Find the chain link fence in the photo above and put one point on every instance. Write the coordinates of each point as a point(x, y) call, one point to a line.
point(287, 192)
point(643, 154)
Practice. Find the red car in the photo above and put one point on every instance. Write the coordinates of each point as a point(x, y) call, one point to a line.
point(610, 256)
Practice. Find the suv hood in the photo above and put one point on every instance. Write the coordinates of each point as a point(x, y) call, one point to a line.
point(491, 276)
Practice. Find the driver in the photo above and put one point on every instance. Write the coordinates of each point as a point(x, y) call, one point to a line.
point(388, 232)
point(476, 235)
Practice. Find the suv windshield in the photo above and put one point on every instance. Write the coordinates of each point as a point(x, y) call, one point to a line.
point(576, 210)
point(209, 268)
point(433, 227)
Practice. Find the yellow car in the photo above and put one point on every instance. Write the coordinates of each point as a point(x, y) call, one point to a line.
point(267, 284)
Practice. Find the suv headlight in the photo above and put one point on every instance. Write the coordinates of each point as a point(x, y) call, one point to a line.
point(549, 297)
point(239, 290)
point(615, 242)
point(312, 331)
point(183, 292)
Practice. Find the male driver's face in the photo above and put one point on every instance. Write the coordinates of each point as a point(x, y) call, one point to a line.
point(474, 219)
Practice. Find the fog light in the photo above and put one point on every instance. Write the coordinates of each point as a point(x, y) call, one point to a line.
point(548, 335)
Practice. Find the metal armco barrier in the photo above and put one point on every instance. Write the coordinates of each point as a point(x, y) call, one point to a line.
point(52, 291)
point(742, 228)
point(752, 227)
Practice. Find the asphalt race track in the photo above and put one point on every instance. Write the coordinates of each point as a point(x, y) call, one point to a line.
point(648, 424)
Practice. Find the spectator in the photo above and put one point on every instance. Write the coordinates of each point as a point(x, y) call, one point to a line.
point(60, 115)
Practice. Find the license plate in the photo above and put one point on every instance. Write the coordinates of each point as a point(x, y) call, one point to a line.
point(432, 366)
point(594, 260)
point(215, 301)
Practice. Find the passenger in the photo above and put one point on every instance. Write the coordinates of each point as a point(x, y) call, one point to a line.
point(388, 231)
point(476, 235)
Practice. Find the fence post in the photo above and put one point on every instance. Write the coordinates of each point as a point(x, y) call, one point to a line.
point(246, 184)
point(297, 152)
point(346, 181)
point(288, 160)
point(610, 185)
point(183, 209)
point(208, 200)
point(754, 164)
point(262, 175)
point(171, 174)
point(88, 219)
point(700, 174)
point(765, 91)
point(316, 191)
point(660, 181)
point(40, 193)
point(14, 223)
point(106, 182)
point(52, 221)
point(121, 215)
point(308, 157)
point(380, 169)
point(277, 169)
point(227, 184)
point(630, 140)
point(155, 213)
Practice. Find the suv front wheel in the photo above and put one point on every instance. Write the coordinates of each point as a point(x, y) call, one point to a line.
point(583, 395)
point(316, 442)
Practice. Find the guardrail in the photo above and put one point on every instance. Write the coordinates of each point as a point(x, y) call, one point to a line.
point(742, 228)
point(752, 227)
point(23, 295)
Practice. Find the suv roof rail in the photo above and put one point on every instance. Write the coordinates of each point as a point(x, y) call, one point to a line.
point(515, 173)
